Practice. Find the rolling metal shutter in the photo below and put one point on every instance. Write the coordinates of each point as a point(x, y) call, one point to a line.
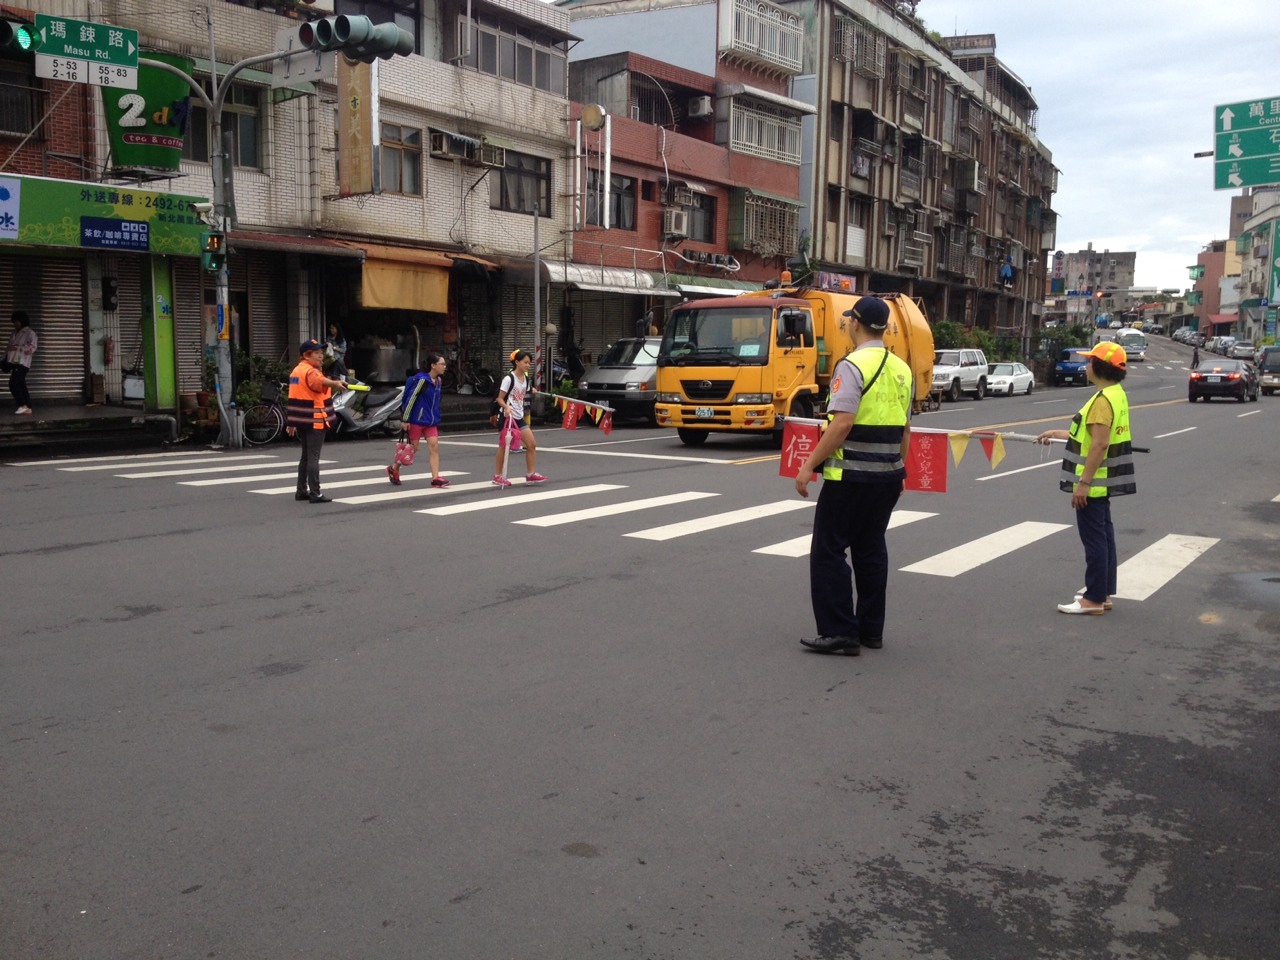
point(188, 323)
point(52, 293)
point(268, 321)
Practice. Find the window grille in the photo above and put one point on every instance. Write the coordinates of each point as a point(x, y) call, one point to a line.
point(763, 131)
point(767, 33)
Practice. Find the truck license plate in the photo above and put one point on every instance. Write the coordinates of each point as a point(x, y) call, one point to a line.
point(704, 413)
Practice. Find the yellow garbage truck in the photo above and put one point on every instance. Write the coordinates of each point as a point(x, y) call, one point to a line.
point(741, 364)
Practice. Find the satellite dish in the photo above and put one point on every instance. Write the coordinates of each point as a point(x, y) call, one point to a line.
point(593, 116)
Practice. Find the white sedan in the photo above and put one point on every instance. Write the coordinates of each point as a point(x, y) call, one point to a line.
point(1009, 378)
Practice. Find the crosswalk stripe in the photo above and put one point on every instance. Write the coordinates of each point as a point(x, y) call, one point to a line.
point(715, 521)
point(967, 556)
point(190, 471)
point(144, 464)
point(799, 546)
point(122, 460)
point(290, 474)
point(393, 495)
point(520, 499)
point(328, 484)
point(1148, 570)
point(613, 509)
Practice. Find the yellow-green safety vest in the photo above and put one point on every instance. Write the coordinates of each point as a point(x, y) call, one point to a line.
point(872, 452)
point(1115, 474)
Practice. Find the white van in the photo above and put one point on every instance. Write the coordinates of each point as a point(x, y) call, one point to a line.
point(1134, 343)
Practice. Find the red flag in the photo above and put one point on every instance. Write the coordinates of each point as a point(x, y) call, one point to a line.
point(571, 413)
point(927, 462)
point(606, 423)
point(798, 441)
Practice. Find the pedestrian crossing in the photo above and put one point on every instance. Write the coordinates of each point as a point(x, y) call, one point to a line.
point(1140, 576)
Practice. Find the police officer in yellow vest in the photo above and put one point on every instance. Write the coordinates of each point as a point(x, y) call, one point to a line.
point(310, 414)
point(862, 457)
point(1098, 465)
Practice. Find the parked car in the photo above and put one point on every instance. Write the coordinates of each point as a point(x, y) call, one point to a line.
point(1223, 378)
point(1009, 378)
point(1155, 329)
point(1222, 345)
point(1115, 325)
point(1269, 369)
point(626, 378)
point(1071, 365)
point(1242, 350)
point(960, 371)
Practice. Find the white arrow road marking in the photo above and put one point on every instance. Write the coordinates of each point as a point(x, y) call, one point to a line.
point(967, 556)
point(799, 547)
point(1147, 571)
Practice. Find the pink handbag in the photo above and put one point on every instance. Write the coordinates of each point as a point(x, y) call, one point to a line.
point(404, 453)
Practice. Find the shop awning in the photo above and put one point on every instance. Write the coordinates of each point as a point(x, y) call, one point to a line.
point(1220, 318)
point(403, 278)
point(622, 280)
point(768, 96)
point(289, 243)
point(694, 286)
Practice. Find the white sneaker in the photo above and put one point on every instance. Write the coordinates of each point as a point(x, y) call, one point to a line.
point(23, 410)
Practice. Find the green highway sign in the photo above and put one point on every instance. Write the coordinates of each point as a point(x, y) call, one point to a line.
point(1233, 174)
point(78, 51)
point(1246, 143)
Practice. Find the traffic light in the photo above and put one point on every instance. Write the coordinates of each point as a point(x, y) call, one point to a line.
point(1099, 294)
point(18, 37)
point(359, 38)
point(213, 251)
point(110, 294)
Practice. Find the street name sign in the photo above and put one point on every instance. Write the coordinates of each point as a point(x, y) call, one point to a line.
point(76, 51)
point(1246, 143)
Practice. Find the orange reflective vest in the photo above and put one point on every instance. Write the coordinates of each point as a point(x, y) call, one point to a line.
point(308, 407)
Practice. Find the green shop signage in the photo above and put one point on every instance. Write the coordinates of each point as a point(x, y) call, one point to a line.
point(67, 213)
point(147, 125)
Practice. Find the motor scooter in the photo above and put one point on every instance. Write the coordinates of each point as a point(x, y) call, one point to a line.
point(359, 412)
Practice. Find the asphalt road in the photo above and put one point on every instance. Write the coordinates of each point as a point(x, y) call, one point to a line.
point(245, 727)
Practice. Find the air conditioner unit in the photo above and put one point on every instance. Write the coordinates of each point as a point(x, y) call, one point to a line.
point(700, 108)
point(446, 147)
point(675, 222)
point(491, 156)
point(682, 197)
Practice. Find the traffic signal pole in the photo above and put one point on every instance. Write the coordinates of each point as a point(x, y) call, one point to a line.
point(359, 38)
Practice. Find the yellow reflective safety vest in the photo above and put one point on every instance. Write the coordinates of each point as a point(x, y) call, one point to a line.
point(1115, 475)
point(872, 452)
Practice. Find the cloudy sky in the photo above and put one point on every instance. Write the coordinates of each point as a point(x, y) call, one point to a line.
point(1126, 91)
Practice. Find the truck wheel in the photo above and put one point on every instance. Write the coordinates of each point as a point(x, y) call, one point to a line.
point(982, 388)
point(692, 438)
point(954, 393)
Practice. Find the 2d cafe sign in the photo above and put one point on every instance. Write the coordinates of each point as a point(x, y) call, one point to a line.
point(66, 213)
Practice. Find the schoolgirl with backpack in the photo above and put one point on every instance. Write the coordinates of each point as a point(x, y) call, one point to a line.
point(513, 431)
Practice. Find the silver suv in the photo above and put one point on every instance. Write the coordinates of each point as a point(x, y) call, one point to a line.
point(961, 370)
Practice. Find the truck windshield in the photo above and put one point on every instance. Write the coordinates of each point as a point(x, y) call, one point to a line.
point(718, 335)
point(630, 353)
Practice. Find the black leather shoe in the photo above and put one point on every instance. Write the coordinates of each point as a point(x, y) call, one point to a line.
point(301, 496)
point(320, 498)
point(871, 643)
point(846, 645)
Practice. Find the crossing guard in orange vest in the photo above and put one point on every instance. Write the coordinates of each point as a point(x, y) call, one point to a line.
point(310, 414)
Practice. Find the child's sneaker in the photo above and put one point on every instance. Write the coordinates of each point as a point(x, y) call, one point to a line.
point(439, 482)
point(500, 481)
point(534, 478)
point(393, 475)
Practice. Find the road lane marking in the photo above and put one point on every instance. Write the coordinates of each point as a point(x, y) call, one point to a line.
point(263, 477)
point(968, 556)
point(520, 499)
point(124, 461)
point(1161, 436)
point(613, 509)
point(190, 472)
point(1010, 473)
point(328, 484)
point(1148, 570)
point(799, 546)
point(1249, 414)
point(142, 465)
point(594, 453)
point(702, 524)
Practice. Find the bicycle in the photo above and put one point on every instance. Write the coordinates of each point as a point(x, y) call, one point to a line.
point(264, 422)
point(459, 372)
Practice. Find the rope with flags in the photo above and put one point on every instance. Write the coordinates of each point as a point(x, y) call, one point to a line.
point(574, 410)
point(927, 460)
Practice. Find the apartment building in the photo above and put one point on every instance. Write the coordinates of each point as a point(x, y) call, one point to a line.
point(1259, 281)
point(920, 170)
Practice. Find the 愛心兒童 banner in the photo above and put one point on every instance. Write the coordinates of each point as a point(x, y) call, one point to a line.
point(147, 126)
